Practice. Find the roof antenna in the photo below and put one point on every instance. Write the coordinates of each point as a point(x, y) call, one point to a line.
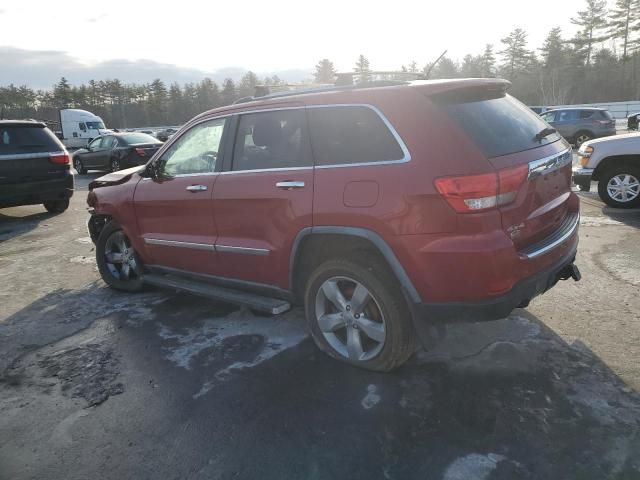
point(428, 72)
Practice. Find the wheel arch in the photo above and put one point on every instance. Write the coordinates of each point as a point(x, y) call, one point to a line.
point(608, 163)
point(313, 245)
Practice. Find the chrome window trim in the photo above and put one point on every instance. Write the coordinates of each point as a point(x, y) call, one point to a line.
point(26, 156)
point(261, 170)
point(556, 242)
point(247, 250)
point(175, 243)
point(550, 163)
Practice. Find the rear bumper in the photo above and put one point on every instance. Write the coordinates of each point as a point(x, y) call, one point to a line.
point(34, 193)
point(582, 177)
point(500, 307)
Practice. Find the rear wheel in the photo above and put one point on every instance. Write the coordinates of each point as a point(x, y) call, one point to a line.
point(77, 164)
point(357, 316)
point(582, 137)
point(117, 261)
point(56, 206)
point(620, 187)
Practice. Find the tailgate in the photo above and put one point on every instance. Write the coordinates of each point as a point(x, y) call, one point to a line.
point(29, 167)
point(541, 205)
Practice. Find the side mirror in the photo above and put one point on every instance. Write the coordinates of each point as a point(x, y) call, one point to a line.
point(153, 170)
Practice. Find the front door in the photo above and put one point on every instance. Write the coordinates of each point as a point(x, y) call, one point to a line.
point(264, 197)
point(91, 158)
point(174, 209)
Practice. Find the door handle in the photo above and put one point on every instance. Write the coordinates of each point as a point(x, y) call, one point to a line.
point(197, 188)
point(290, 184)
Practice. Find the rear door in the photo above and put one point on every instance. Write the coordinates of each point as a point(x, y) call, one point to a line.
point(25, 154)
point(534, 172)
point(174, 210)
point(264, 197)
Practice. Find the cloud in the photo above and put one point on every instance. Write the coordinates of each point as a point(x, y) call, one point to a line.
point(41, 69)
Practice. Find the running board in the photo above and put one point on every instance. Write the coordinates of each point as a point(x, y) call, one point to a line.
point(257, 302)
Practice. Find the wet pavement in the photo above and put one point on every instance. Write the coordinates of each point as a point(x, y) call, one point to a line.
point(100, 384)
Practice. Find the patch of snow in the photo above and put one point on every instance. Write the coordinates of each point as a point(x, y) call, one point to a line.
point(598, 221)
point(473, 467)
point(371, 399)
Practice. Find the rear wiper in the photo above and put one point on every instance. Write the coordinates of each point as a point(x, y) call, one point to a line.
point(545, 132)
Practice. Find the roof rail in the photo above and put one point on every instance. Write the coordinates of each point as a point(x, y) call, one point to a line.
point(263, 94)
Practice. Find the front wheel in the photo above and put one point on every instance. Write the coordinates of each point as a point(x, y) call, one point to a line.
point(358, 316)
point(115, 165)
point(77, 164)
point(117, 261)
point(582, 137)
point(620, 187)
point(56, 206)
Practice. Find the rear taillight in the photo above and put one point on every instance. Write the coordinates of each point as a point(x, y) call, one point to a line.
point(475, 193)
point(141, 151)
point(59, 158)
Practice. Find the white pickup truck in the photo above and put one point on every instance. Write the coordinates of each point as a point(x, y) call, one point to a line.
point(614, 162)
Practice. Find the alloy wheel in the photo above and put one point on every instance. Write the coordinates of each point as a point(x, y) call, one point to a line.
point(581, 139)
point(623, 188)
point(120, 257)
point(115, 165)
point(350, 319)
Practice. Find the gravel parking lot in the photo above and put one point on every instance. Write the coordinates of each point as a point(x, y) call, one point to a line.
point(100, 384)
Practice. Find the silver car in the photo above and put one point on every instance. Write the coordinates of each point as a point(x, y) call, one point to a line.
point(579, 125)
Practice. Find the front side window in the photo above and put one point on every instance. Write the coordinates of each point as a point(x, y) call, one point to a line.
point(275, 139)
point(549, 117)
point(567, 116)
point(96, 144)
point(351, 134)
point(196, 151)
point(82, 126)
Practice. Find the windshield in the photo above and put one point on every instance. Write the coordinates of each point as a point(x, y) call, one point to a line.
point(499, 126)
point(95, 125)
point(135, 138)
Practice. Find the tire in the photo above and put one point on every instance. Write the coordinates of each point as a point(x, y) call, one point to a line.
point(387, 315)
point(112, 240)
point(582, 137)
point(56, 206)
point(114, 165)
point(77, 164)
point(620, 186)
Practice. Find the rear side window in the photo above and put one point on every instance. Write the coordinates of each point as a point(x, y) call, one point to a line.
point(498, 124)
point(586, 113)
point(345, 135)
point(275, 139)
point(606, 115)
point(18, 139)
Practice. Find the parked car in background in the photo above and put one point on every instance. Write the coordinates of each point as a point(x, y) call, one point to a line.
point(383, 211)
point(615, 164)
point(632, 121)
point(80, 127)
point(166, 134)
point(116, 151)
point(34, 167)
point(579, 125)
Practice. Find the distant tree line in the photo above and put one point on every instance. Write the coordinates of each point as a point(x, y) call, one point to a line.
point(600, 63)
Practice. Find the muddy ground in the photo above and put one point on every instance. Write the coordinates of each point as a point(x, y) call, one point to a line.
point(100, 384)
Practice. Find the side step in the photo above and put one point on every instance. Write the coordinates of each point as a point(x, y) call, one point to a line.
point(257, 302)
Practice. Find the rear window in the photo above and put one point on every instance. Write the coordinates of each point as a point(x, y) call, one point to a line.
point(606, 115)
point(135, 138)
point(18, 139)
point(498, 125)
point(347, 135)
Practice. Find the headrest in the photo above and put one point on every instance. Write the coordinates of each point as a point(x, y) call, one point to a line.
point(267, 131)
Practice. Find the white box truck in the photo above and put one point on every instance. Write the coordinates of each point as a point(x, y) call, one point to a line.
point(79, 127)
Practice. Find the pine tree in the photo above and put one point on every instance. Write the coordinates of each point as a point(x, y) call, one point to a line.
point(362, 69)
point(593, 21)
point(248, 82)
point(622, 20)
point(553, 50)
point(516, 56)
point(62, 94)
point(228, 94)
point(325, 72)
point(488, 64)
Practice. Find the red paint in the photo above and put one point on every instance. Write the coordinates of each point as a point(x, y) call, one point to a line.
point(449, 256)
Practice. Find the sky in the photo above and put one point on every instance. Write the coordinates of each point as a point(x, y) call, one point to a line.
point(40, 39)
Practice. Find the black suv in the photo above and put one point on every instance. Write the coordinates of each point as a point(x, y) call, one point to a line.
point(34, 167)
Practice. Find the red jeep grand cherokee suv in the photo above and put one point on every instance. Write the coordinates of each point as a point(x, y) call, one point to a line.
point(382, 210)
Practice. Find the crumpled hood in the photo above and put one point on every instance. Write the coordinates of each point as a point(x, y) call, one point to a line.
point(115, 178)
